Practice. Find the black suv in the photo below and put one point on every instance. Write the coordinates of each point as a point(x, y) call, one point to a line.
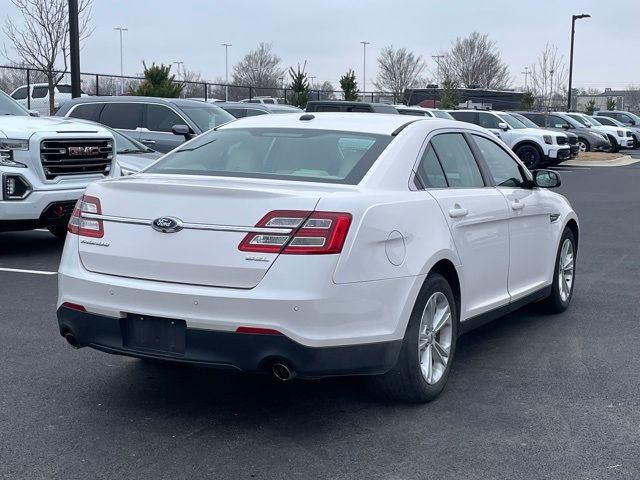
point(345, 106)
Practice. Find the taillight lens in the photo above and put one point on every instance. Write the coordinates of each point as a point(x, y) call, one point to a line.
point(86, 227)
point(312, 233)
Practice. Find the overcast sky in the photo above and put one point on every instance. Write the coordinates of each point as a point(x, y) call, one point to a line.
point(327, 34)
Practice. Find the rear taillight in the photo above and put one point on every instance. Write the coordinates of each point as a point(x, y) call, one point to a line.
point(312, 233)
point(86, 227)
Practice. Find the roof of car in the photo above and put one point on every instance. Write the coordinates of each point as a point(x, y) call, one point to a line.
point(134, 99)
point(265, 107)
point(381, 124)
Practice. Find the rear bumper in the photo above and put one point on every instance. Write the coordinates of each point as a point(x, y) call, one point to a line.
point(239, 351)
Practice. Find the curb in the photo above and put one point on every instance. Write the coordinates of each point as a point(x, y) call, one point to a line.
point(616, 162)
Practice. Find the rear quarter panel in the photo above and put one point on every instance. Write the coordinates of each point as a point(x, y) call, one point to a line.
point(392, 235)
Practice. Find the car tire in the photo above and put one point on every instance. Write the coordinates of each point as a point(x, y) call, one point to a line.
point(636, 145)
point(530, 156)
point(563, 274)
point(615, 148)
point(584, 145)
point(422, 370)
point(59, 231)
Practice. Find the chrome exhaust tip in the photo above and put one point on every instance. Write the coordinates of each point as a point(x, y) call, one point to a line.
point(282, 372)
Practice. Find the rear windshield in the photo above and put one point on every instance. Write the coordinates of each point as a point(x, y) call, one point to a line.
point(442, 114)
point(325, 156)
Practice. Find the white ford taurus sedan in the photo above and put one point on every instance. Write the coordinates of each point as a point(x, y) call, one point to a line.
point(317, 245)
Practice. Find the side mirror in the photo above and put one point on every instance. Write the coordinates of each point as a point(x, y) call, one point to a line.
point(632, 122)
point(34, 113)
point(182, 130)
point(546, 179)
point(503, 126)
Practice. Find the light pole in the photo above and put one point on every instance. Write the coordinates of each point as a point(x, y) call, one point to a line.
point(178, 63)
point(121, 29)
point(437, 58)
point(364, 68)
point(573, 34)
point(526, 74)
point(226, 70)
point(74, 49)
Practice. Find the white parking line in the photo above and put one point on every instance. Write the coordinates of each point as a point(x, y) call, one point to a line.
point(20, 270)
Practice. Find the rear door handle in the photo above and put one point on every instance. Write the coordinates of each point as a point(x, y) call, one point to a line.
point(517, 205)
point(457, 211)
point(148, 142)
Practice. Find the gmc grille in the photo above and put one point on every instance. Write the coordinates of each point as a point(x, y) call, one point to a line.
point(63, 158)
point(562, 140)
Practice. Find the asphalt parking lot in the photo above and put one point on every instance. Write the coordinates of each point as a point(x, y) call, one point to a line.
point(530, 396)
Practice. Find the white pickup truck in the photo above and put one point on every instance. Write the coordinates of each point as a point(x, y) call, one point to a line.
point(45, 165)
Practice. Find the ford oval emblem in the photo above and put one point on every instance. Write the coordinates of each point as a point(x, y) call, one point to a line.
point(167, 224)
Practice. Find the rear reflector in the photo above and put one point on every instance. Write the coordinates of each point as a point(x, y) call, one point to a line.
point(84, 226)
point(74, 306)
point(312, 233)
point(258, 331)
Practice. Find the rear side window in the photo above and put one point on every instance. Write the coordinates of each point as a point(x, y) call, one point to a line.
point(289, 154)
point(430, 171)
point(20, 94)
point(362, 110)
point(64, 88)
point(327, 108)
point(127, 116)
point(469, 117)
point(458, 163)
point(536, 118)
point(87, 111)
point(161, 119)
point(236, 112)
point(39, 92)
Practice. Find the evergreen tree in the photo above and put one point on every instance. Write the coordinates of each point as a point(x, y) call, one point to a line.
point(349, 85)
point(611, 103)
point(590, 107)
point(528, 100)
point(299, 87)
point(449, 97)
point(158, 82)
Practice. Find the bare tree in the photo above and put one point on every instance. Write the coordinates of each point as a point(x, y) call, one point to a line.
point(475, 62)
point(41, 40)
point(261, 69)
point(193, 84)
point(398, 70)
point(12, 78)
point(549, 77)
point(632, 98)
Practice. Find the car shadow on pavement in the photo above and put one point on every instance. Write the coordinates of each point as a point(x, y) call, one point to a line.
point(141, 387)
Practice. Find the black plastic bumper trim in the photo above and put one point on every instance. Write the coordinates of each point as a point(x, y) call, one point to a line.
point(241, 351)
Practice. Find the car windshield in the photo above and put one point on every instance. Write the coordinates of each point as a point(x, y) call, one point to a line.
point(442, 114)
point(580, 119)
point(325, 156)
point(125, 144)
point(524, 120)
point(206, 116)
point(512, 121)
point(8, 106)
point(609, 121)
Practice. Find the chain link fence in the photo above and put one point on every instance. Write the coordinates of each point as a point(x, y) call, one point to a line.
point(30, 87)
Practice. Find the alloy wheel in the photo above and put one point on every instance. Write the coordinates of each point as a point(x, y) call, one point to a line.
point(435, 338)
point(566, 269)
point(582, 145)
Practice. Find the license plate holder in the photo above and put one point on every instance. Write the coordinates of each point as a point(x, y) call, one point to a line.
point(154, 334)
